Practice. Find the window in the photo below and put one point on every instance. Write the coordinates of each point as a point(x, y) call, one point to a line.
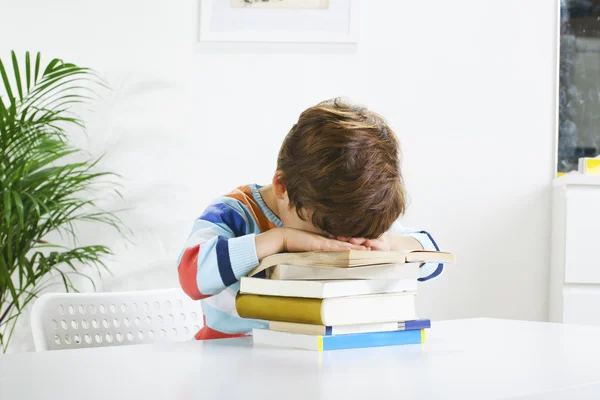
point(579, 86)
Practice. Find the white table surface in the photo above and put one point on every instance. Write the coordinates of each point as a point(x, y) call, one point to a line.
point(462, 359)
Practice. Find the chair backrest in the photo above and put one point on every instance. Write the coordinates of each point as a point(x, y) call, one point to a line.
point(77, 320)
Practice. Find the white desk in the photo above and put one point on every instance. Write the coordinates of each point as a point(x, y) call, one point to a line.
point(463, 359)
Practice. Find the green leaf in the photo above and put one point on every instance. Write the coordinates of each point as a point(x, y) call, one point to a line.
point(17, 74)
point(6, 83)
point(28, 267)
point(50, 66)
point(34, 203)
point(37, 67)
point(3, 110)
point(19, 205)
point(6, 280)
point(47, 86)
point(66, 280)
point(28, 70)
point(4, 274)
point(7, 206)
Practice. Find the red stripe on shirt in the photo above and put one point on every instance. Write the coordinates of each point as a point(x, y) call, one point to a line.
point(207, 333)
point(187, 269)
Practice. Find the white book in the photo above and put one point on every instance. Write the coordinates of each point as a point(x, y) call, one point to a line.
point(308, 329)
point(382, 271)
point(339, 342)
point(325, 289)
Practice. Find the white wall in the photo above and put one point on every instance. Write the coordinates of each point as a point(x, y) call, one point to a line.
point(469, 87)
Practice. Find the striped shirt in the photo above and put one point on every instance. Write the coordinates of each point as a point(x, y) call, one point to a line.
point(221, 249)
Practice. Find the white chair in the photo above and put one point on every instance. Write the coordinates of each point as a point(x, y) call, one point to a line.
point(77, 320)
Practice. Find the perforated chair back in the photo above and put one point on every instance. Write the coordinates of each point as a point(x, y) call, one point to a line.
point(77, 320)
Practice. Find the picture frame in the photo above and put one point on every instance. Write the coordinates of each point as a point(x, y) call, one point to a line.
point(228, 21)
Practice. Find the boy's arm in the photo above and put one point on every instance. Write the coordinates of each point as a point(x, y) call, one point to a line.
point(401, 238)
point(403, 242)
point(221, 249)
point(283, 240)
point(217, 252)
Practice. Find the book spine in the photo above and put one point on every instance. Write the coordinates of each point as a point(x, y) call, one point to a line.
point(377, 339)
point(299, 328)
point(348, 329)
point(284, 309)
point(416, 324)
point(324, 343)
point(407, 272)
point(382, 327)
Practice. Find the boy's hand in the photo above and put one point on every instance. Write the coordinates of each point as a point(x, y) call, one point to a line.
point(380, 244)
point(386, 242)
point(280, 240)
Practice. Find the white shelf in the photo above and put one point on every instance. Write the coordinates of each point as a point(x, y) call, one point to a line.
point(575, 178)
point(575, 267)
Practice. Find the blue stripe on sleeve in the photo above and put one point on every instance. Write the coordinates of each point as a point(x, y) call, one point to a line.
point(432, 241)
point(435, 273)
point(244, 211)
point(224, 262)
point(440, 266)
point(222, 214)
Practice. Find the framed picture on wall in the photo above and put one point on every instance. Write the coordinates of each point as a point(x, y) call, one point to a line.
point(301, 21)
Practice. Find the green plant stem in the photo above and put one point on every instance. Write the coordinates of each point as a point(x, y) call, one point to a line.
point(12, 330)
point(6, 312)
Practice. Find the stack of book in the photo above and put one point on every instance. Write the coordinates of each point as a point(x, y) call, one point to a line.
point(336, 300)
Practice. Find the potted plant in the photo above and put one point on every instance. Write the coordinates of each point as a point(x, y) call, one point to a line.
point(46, 185)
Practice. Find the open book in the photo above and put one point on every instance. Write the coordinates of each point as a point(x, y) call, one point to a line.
point(352, 258)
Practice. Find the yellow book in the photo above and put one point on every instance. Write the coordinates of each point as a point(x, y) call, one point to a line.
point(333, 311)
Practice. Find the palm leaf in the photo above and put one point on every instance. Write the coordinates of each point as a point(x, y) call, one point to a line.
point(42, 194)
point(7, 86)
point(37, 67)
point(17, 74)
point(28, 70)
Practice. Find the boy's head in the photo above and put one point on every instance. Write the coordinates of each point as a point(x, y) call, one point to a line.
point(338, 172)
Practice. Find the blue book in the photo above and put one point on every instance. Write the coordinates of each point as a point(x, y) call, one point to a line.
point(337, 342)
point(309, 329)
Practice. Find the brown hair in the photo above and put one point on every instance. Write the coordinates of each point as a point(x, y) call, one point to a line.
point(340, 162)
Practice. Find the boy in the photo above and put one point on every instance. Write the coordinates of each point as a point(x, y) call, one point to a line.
point(337, 187)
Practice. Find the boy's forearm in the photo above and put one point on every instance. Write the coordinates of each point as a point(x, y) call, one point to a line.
point(280, 240)
point(403, 242)
point(268, 243)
